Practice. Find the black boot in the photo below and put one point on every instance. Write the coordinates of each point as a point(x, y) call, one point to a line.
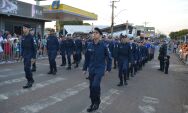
point(76, 66)
point(62, 64)
point(68, 68)
point(51, 70)
point(29, 84)
point(121, 81)
point(55, 70)
point(125, 79)
point(120, 84)
point(90, 109)
point(132, 75)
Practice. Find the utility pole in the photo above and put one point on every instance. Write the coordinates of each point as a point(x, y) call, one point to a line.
point(112, 24)
point(127, 26)
point(145, 23)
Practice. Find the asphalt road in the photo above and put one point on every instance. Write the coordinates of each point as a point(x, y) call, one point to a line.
point(150, 91)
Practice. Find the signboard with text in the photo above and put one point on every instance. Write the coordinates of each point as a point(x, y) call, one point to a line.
point(18, 8)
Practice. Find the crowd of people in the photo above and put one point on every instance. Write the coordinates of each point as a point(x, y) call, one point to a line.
point(183, 51)
point(10, 46)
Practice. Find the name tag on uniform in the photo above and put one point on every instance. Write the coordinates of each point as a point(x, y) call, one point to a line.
point(90, 49)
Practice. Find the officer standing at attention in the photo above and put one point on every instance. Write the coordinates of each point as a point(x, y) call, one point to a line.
point(124, 57)
point(115, 52)
point(78, 51)
point(132, 68)
point(32, 32)
point(70, 47)
point(162, 55)
point(52, 48)
point(28, 53)
point(97, 55)
point(62, 50)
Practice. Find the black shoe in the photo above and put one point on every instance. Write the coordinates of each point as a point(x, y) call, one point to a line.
point(76, 66)
point(62, 64)
point(50, 72)
point(68, 68)
point(33, 70)
point(120, 84)
point(90, 109)
point(54, 73)
point(87, 77)
point(28, 85)
point(125, 83)
point(95, 107)
point(73, 62)
point(32, 81)
point(114, 67)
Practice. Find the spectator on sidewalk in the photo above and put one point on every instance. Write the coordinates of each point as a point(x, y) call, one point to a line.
point(1, 49)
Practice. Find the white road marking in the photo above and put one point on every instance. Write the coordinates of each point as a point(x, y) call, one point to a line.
point(147, 109)
point(8, 82)
point(6, 95)
point(150, 100)
point(51, 100)
point(185, 108)
point(4, 70)
point(11, 74)
point(42, 64)
point(106, 100)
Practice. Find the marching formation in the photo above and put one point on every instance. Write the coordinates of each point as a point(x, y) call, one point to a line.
point(101, 53)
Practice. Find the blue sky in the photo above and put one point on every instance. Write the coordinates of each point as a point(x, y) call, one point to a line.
point(164, 15)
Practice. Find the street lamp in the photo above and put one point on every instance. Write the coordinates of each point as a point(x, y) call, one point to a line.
point(119, 13)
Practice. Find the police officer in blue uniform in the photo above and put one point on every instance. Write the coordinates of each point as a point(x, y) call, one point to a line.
point(115, 52)
point(62, 50)
point(28, 53)
point(111, 44)
point(133, 56)
point(124, 57)
point(162, 55)
point(52, 49)
point(97, 55)
point(87, 42)
point(33, 67)
point(70, 47)
point(78, 51)
point(140, 55)
point(137, 56)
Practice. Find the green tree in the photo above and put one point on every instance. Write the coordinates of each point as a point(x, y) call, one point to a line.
point(86, 24)
point(178, 34)
point(162, 36)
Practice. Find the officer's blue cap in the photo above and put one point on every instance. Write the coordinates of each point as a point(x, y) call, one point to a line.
point(124, 36)
point(27, 26)
point(98, 30)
